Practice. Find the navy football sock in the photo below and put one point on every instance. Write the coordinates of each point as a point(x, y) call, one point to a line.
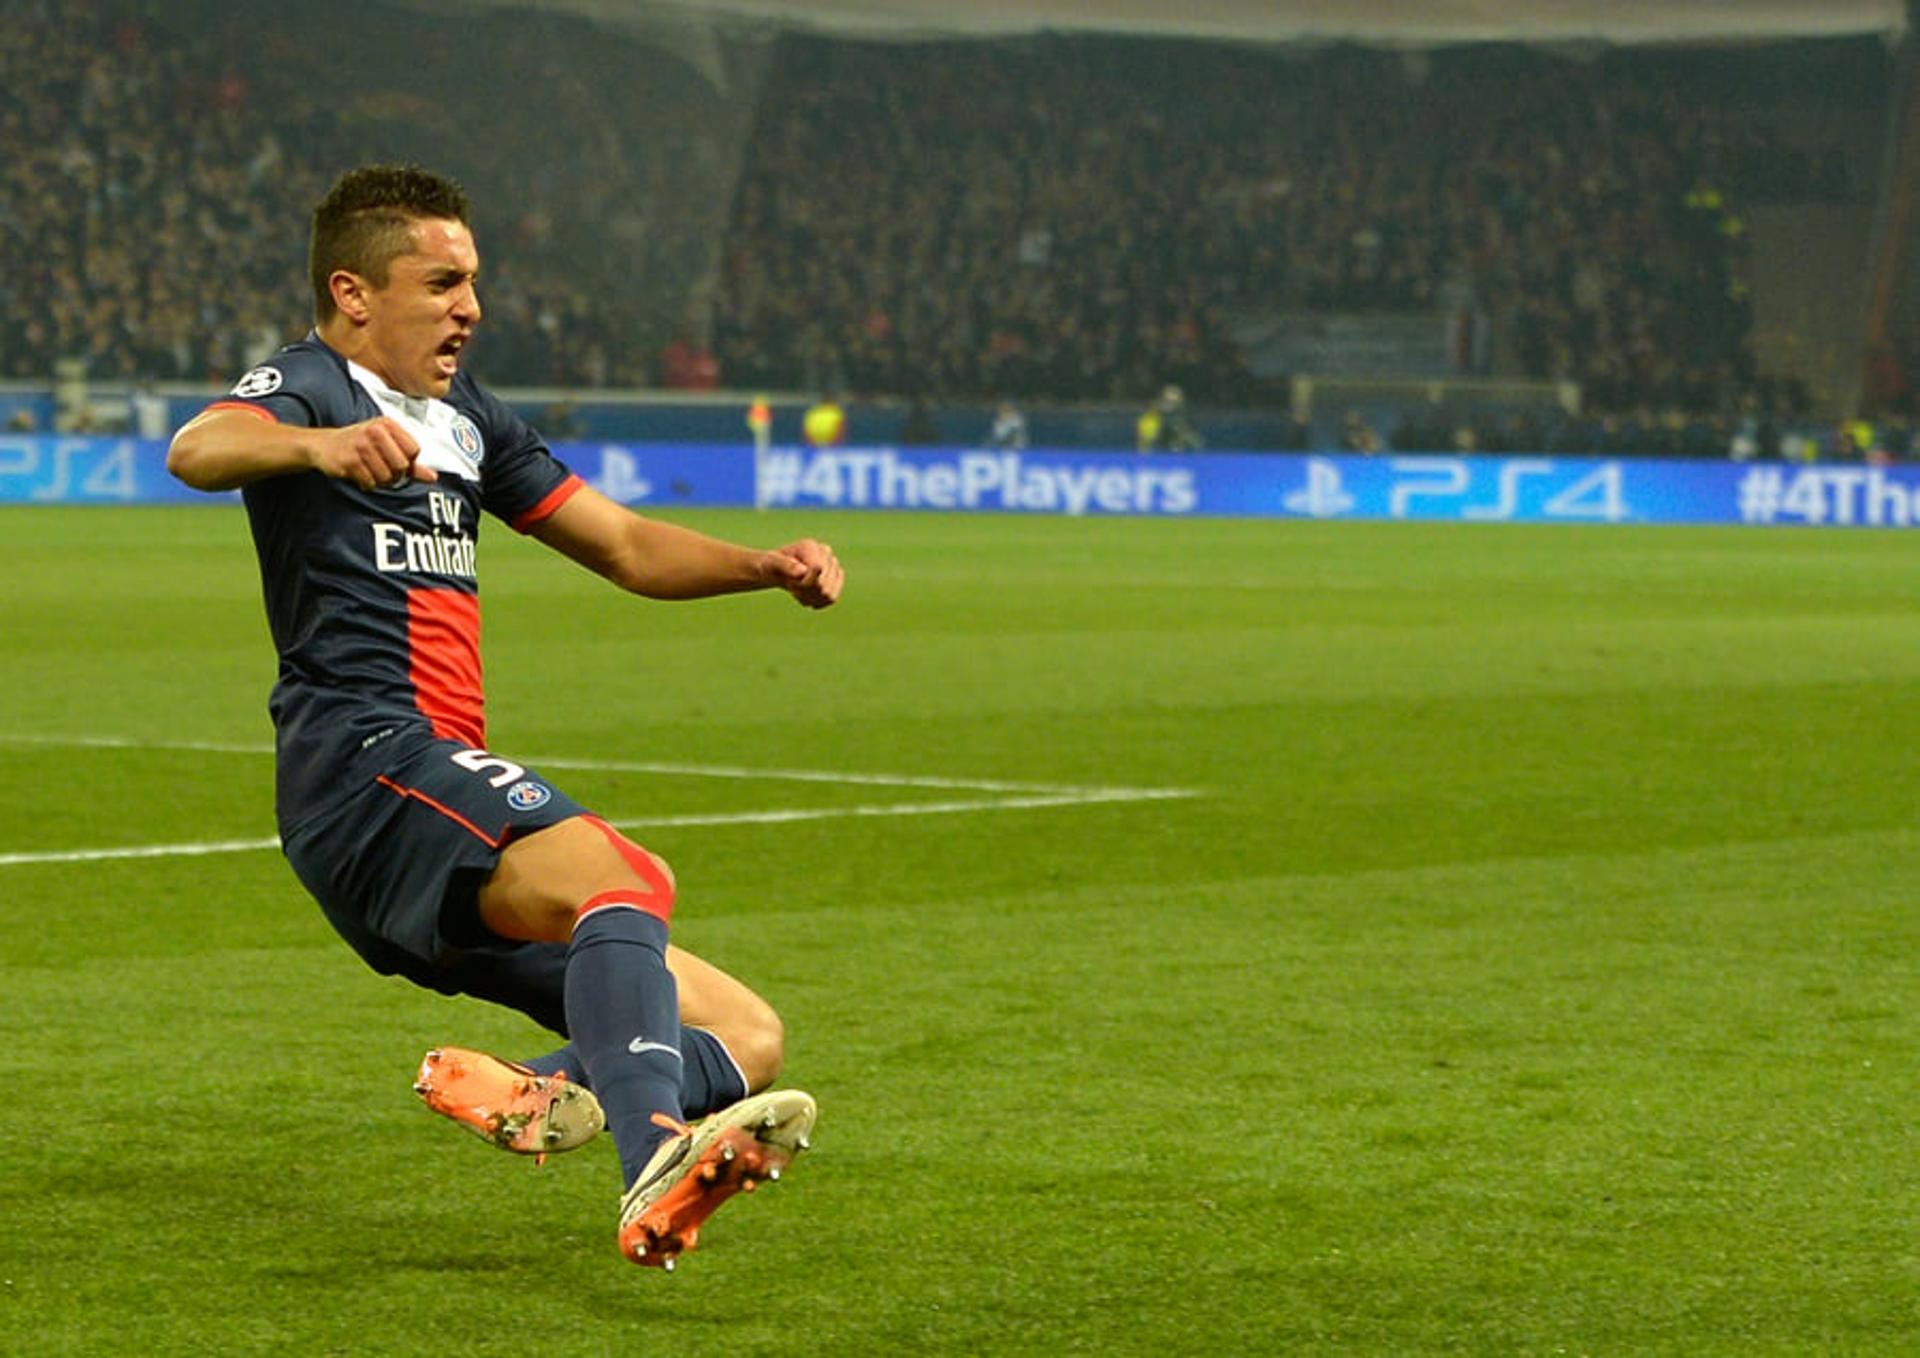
point(565, 1062)
point(711, 1078)
point(624, 1013)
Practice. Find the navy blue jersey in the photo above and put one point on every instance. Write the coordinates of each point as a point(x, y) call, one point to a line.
point(372, 595)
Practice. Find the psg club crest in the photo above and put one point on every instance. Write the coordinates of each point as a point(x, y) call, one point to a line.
point(466, 437)
point(529, 796)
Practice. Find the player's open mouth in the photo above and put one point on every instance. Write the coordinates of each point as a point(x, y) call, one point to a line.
point(447, 356)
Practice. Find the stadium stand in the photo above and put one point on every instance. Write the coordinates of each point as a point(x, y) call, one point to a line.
point(161, 163)
point(1081, 218)
point(1054, 219)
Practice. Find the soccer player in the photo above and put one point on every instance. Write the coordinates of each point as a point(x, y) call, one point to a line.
point(365, 454)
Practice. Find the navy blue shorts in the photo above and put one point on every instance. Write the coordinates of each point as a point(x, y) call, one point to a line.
point(397, 869)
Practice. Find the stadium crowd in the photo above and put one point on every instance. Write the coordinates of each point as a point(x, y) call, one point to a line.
point(160, 167)
point(1084, 219)
point(1061, 219)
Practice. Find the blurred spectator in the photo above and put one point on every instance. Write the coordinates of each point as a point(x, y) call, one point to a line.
point(1799, 447)
point(1009, 427)
point(688, 366)
point(1357, 435)
point(1165, 426)
point(148, 409)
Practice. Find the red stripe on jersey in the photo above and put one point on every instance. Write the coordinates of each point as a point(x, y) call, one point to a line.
point(490, 841)
point(551, 501)
point(443, 638)
point(247, 406)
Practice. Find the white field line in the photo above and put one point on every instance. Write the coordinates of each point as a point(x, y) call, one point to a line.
point(634, 766)
point(9, 860)
point(782, 817)
point(127, 743)
point(1009, 797)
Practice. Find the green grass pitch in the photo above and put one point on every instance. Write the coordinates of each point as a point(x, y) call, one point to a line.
point(1531, 970)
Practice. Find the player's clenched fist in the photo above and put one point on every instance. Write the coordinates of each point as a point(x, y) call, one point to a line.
point(809, 571)
point(373, 453)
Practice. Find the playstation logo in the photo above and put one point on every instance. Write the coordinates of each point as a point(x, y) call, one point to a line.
point(1323, 497)
point(620, 478)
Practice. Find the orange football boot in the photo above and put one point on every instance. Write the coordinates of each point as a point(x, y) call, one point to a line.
point(507, 1104)
point(698, 1168)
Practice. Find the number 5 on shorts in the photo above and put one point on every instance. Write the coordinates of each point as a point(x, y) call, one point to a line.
point(479, 761)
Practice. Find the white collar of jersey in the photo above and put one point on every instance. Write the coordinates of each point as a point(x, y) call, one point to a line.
point(449, 441)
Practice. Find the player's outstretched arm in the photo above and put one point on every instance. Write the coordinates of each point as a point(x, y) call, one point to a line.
point(666, 561)
point(223, 449)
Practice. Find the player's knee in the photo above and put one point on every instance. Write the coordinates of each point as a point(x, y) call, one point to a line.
point(665, 870)
point(758, 1041)
point(546, 881)
point(653, 871)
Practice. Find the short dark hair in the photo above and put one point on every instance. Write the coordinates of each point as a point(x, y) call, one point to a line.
point(366, 221)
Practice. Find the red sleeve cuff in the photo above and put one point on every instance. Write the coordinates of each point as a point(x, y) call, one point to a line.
point(551, 501)
point(247, 406)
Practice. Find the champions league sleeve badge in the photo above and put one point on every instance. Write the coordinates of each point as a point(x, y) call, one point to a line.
point(261, 381)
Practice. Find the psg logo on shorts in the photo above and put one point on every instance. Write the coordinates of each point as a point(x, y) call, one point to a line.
point(466, 437)
point(529, 796)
